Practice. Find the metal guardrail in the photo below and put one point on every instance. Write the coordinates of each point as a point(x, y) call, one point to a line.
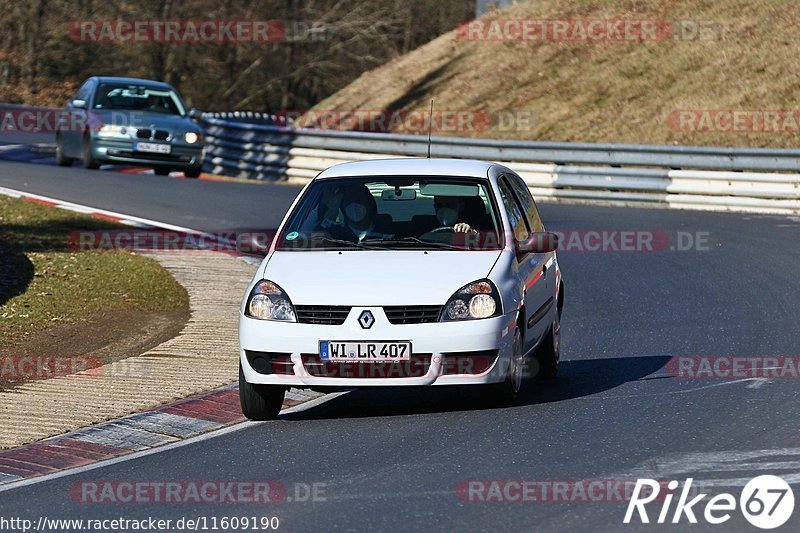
point(736, 179)
point(251, 145)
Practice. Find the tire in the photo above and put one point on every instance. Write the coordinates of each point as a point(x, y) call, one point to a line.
point(193, 172)
point(161, 171)
point(544, 363)
point(61, 159)
point(507, 391)
point(260, 402)
point(88, 159)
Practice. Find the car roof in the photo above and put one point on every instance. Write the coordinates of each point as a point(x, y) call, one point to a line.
point(138, 81)
point(411, 167)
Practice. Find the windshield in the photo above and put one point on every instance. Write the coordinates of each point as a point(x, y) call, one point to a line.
point(138, 98)
point(394, 213)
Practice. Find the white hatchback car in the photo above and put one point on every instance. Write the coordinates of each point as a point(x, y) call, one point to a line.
point(403, 272)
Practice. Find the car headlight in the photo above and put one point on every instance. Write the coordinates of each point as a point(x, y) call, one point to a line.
point(267, 301)
point(191, 137)
point(111, 130)
point(477, 300)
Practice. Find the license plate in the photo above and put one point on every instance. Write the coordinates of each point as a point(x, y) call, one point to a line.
point(153, 148)
point(364, 352)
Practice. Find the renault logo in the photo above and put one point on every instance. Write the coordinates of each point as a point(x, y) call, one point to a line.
point(366, 319)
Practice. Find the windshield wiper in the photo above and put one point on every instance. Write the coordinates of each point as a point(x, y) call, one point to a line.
point(415, 240)
point(333, 241)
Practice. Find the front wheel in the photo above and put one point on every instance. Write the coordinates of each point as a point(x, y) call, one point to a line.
point(88, 159)
point(507, 391)
point(260, 402)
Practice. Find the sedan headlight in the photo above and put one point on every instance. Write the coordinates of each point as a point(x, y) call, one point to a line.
point(111, 130)
point(191, 137)
point(267, 301)
point(477, 300)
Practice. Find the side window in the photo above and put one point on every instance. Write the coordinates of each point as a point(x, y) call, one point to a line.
point(526, 200)
point(515, 216)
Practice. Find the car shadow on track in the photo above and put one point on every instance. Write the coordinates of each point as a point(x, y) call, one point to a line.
point(576, 379)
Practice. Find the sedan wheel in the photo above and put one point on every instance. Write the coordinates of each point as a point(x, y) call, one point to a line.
point(88, 159)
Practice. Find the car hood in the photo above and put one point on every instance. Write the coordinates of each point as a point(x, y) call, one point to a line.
point(376, 278)
point(139, 119)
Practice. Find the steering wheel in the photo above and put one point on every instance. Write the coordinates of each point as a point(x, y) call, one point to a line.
point(442, 229)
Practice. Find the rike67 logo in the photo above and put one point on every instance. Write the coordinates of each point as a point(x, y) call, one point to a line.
point(766, 502)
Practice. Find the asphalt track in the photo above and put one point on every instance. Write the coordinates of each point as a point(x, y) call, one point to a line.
point(393, 460)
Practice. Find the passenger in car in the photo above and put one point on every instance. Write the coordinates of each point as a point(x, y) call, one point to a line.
point(465, 214)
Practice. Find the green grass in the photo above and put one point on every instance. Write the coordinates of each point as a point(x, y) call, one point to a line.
point(44, 283)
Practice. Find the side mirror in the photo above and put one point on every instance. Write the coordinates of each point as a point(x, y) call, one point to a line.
point(79, 104)
point(538, 243)
point(195, 114)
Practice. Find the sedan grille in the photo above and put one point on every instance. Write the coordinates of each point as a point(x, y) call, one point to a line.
point(157, 135)
point(329, 315)
point(413, 314)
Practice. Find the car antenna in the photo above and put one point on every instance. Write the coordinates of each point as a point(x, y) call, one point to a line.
point(430, 125)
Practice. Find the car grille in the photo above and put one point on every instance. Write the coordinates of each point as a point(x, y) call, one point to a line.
point(328, 315)
point(417, 367)
point(158, 135)
point(413, 314)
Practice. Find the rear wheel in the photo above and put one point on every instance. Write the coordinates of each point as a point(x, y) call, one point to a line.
point(193, 172)
point(161, 171)
point(61, 159)
point(260, 402)
point(544, 363)
point(507, 391)
point(88, 159)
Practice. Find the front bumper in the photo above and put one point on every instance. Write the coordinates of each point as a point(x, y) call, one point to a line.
point(434, 347)
point(181, 156)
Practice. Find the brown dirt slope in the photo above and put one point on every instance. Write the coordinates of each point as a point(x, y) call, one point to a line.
point(609, 91)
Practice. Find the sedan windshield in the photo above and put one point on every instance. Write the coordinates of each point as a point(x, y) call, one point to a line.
point(138, 98)
point(394, 213)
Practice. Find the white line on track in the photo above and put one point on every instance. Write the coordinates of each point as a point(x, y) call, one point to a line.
point(80, 208)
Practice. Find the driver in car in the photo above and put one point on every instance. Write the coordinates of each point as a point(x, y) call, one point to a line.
point(360, 216)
